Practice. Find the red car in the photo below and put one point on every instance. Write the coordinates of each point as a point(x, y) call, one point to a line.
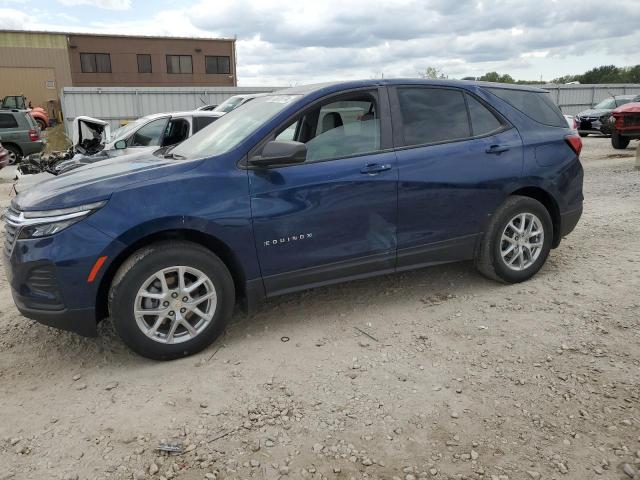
point(4, 157)
point(625, 125)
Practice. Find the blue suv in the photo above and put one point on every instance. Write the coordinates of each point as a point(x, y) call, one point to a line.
point(297, 189)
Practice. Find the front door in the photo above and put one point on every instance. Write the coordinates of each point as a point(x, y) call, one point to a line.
point(334, 216)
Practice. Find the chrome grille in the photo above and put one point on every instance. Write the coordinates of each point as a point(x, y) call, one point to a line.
point(11, 230)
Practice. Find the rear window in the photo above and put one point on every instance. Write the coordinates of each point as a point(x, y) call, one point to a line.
point(432, 115)
point(7, 120)
point(536, 105)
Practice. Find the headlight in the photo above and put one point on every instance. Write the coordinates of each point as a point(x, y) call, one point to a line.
point(48, 222)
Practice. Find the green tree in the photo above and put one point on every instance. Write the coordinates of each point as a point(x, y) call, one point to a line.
point(432, 73)
point(496, 77)
point(603, 74)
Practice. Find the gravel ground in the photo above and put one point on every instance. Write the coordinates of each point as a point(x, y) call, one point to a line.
point(436, 373)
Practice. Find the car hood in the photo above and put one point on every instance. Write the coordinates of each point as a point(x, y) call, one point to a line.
point(96, 182)
point(632, 107)
point(592, 112)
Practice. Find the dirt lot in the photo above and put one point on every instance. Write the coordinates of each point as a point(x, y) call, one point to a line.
point(460, 377)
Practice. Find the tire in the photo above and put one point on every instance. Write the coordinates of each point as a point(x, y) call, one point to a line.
point(15, 155)
point(134, 277)
point(619, 142)
point(489, 259)
point(41, 123)
point(583, 134)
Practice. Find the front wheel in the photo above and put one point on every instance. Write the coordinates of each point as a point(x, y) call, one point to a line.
point(171, 300)
point(517, 241)
point(42, 124)
point(582, 134)
point(619, 142)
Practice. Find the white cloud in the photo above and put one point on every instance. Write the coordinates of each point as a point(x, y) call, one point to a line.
point(11, 19)
point(105, 4)
point(282, 42)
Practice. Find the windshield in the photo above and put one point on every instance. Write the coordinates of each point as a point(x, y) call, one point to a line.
point(232, 128)
point(229, 104)
point(609, 103)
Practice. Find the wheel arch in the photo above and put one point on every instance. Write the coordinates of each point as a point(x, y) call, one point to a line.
point(14, 145)
point(213, 244)
point(549, 202)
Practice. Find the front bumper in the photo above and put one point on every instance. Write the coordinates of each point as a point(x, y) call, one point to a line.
point(593, 125)
point(48, 277)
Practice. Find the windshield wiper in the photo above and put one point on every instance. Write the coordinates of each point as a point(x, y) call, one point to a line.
point(174, 156)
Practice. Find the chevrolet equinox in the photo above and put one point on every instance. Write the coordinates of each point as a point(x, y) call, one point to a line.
point(304, 187)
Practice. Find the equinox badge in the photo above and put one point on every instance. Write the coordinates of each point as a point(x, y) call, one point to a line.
point(292, 238)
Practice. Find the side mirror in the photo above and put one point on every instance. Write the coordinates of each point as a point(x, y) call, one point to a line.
point(120, 145)
point(280, 152)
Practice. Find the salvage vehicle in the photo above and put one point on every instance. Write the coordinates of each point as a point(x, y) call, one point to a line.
point(595, 120)
point(19, 134)
point(625, 125)
point(287, 194)
point(19, 102)
point(93, 142)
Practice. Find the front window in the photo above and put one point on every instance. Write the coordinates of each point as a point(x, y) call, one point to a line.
point(231, 129)
point(149, 135)
point(124, 131)
point(338, 129)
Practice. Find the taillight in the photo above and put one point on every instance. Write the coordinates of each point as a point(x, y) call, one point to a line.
point(575, 142)
point(34, 135)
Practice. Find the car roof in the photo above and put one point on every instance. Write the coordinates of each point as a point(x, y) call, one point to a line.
point(337, 86)
point(182, 114)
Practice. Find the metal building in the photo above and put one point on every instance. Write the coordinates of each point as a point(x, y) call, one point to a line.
point(39, 64)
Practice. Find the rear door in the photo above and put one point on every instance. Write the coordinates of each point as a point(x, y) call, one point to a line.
point(334, 216)
point(456, 156)
point(10, 129)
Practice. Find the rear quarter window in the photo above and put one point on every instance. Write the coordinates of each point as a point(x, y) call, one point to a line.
point(536, 105)
point(7, 120)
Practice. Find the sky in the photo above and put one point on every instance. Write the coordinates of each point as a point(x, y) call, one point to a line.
point(285, 42)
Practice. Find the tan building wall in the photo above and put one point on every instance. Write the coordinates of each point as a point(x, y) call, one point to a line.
point(123, 53)
point(35, 65)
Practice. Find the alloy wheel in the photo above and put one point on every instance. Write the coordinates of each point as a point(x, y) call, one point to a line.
point(175, 304)
point(521, 242)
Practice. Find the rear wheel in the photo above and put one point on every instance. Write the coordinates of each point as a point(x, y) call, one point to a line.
point(619, 142)
point(171, 300)
point(15, 155)
point(517, 241)
point(41, 123)
point(582, 134)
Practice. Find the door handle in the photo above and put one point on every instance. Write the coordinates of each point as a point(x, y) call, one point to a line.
point(375, 168)
point(497, 149)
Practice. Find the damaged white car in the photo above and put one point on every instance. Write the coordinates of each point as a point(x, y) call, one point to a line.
point(92, 141)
